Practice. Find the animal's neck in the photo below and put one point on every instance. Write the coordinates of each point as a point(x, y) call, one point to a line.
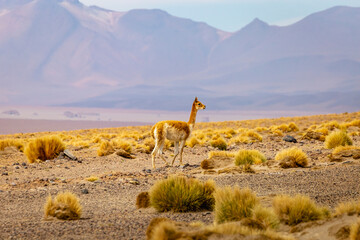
point(192, 116)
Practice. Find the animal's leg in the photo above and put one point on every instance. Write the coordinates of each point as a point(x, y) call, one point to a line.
point(161, 152)
point(154, 152)
point(176, 151)
point(182, 144)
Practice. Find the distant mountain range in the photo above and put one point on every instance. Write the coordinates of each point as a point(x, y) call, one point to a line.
point(61, 52)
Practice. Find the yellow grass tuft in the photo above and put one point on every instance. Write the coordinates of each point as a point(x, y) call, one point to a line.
point(192, 142)
point(233, 204)
point(340, 149)
point(266, 216)
point(349, 208)
point(244, 157)
point(337, 138)
point(292, 157)
point(219, 143)
point(213, 154)
point(92, 179)
point(64, 206)
point(355, 231)
point(181, 194)
point(4, 143)
point(44, 148)
point(106, 148)
point(294, 210)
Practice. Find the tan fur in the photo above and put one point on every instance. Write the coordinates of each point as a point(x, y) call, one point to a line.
point(176, 131)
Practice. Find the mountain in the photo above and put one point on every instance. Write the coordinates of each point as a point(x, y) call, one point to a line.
point(61, 52)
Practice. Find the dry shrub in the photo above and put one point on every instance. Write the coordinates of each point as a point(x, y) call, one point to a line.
point(345, 151)
point(219, 143)
point(143, 200)
point(65, 206)
point(122, 145)
point(291, 127)
point(181, 194)
point(224, 154)
point(92, 179)
point(294, 210)
point(193, 141)
point(314, 135)
point(44, 148)
point(233, 204)
point(244, 157)
point(11, 143)
point(165, 229)
point(332, 125)
point(150, 143)
point(292, 157)
point(355, 231)
point(349, 208)
point(248, 136)
point(106, 148)
point(266, 216)
point(337, 138)
point(154, 224)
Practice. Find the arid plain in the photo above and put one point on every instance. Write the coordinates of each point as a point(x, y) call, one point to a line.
point(113, 166)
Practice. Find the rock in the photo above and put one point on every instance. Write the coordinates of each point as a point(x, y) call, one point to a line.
point(289, 138)
point(124, 154)
point(24, 164)
point(185, 166)
point(84, 191)
point(68, 154)
point(134, 181)
point(17, 167)
point(4, 174)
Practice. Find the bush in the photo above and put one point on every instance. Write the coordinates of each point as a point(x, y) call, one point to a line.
point(181, 194)
point(233, 204)
point(266, 216)
point(355, 231)
point(44, 148)
point(349, 208)
point(249, 157)
point(219, 143)
point(294, 210)
point(65, 206)
point(11, 143)
point(192, 142)
point(106, 148)
point(292, 157)
point(337, 138)
point(143, 200)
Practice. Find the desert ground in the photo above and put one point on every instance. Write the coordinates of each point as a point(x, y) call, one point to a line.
point(107, 183)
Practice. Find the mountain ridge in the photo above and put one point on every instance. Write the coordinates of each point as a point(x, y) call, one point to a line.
point(61, 52)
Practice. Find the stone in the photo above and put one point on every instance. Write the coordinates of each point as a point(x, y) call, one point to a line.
point(289, 138)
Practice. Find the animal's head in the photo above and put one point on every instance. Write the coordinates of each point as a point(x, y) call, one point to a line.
point(198, 105)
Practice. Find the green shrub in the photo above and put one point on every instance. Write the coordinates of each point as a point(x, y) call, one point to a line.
point(181, 194)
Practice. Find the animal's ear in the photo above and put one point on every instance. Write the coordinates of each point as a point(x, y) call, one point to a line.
point(195, 98)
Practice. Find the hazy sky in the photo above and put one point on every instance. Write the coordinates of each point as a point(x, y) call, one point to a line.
point(230, 15)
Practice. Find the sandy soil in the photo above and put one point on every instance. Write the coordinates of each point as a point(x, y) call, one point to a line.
point(109, 210)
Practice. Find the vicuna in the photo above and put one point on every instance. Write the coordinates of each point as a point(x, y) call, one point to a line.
point(177, 131)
